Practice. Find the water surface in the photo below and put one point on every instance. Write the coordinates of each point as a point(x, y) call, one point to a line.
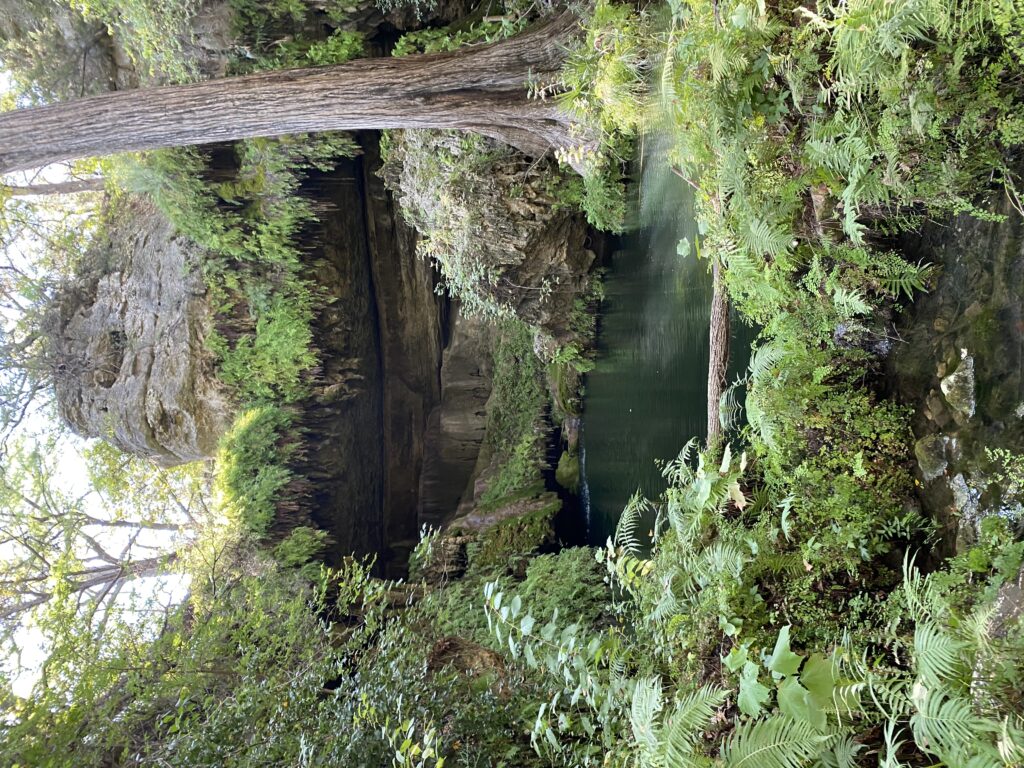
point(647, 394)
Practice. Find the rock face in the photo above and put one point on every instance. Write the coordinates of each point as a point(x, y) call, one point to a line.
point(502, 238)
point(129, 346)
point(344, 446)
point(409, 315)
point(369, 440)
point(457, 426)
point(962, 366)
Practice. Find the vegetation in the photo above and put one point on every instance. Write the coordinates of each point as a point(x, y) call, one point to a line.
point(701, 669)
point(514, 412)
point(784, 604)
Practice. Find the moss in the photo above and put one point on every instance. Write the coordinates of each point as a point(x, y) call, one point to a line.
point(516, 536)
point(568, 472)
point(514, 417)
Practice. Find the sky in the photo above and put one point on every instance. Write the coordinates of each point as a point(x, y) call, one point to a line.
point(72, 477)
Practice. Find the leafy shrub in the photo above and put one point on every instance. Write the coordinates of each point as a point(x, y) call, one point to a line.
point(252, 468)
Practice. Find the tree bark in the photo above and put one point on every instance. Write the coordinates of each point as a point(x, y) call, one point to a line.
point(479, 88)
point(718, 347)
point(71, 187)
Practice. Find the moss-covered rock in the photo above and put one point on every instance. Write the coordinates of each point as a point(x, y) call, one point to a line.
point(568, 471)
point(515, 528)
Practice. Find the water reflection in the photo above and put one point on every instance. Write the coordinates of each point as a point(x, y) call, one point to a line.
point(648, 392)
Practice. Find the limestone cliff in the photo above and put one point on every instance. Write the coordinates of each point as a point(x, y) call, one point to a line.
point(492, 221)
point(130, 365)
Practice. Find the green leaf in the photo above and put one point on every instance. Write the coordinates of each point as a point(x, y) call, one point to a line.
point(736, 659)
point(819, 678)
point(796, 701)
point(753, 695)
point(526, 624)
point(783, 661)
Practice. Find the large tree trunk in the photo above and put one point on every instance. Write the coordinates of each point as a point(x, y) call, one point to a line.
point(70, 187)
point(479, 88)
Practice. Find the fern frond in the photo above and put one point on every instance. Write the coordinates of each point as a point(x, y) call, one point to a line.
point(764, 361)
point(729, 408)
point(937, 655)
point(843, 754)
point(893, 744)
point(721, 558)
point(644, 710)
point(944, 724)
point(774, 742)
point(763, 238)
point(690, 717)
point(849, 302)
point(678, 472)
point(626, 531)
point(900, 277)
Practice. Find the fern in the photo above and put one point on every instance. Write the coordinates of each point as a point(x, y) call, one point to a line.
point(936, 655)
point(893, 744)
point(643, 713)
point(944, 724)
point(849, 302)
point(626, 531)
point(689, 718)
point(905, 279)
point(843, 754)
point(774, 742)
point(765, 360)
point(764, 238)
point(729, 408)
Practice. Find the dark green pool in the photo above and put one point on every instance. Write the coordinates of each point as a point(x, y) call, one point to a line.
point(648, 392)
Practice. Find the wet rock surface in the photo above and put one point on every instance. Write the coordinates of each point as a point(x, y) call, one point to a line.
point(131, 365)
point(960, 364)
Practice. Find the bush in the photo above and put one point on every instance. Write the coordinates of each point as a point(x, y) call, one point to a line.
point(252, 469)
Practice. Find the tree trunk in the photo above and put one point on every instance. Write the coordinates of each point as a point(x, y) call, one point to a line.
point(71, 187)
point(718, 347)
point(478, 88)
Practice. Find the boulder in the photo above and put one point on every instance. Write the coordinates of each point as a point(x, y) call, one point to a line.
point(958, 389)
point(930, 452)
point(130, 359)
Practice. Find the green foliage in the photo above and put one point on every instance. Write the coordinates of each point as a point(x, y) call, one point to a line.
point(250, 227)
point(437, 40)
point(809, 135)
point(603, 86)
point(252, 468)
point(156, 34)
point(302, 549)
point(262, 26)
point(514, 413)
point(653, 690)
